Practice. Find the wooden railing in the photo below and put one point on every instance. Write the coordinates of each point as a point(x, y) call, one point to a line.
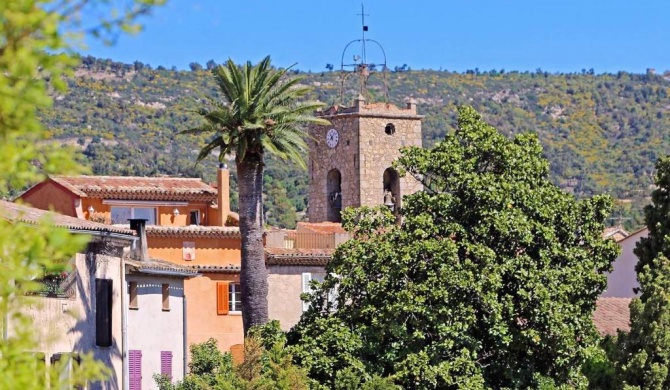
point(290, 239)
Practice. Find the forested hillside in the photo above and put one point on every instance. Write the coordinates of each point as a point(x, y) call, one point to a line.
point(601, 133)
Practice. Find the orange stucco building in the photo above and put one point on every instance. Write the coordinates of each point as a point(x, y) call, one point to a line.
point(189, 223)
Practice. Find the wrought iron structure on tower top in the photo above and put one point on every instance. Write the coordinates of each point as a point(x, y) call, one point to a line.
point(360, 66)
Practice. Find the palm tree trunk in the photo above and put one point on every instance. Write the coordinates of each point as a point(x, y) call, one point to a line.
point(254, 275)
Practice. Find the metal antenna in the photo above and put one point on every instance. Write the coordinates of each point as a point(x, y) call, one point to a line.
point(363, 69)
point(365, 29)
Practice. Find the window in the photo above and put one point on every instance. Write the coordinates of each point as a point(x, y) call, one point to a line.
point(389, 129)
point(307, 288)
point(103, 312)
point(132, 294)
point(228, 298)
point(65, 363)
point(121, 214)
point(166, 297)
point(234, 297)
point(194, 217)
point(166, 363)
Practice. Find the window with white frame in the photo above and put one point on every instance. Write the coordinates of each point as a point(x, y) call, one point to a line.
point(121, 214)
point(307, 278)
point(234, 297)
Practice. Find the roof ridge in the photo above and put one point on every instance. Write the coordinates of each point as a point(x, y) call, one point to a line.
point(126, 177)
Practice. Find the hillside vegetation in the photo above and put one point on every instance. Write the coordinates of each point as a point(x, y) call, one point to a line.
point(601, 133)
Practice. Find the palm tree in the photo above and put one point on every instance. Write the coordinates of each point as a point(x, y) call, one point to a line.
point(260, 112)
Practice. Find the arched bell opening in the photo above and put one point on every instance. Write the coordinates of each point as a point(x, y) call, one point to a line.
point(392, 195)
point(334, 191)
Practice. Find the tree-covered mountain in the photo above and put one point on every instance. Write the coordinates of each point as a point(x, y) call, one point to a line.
point(602, 133)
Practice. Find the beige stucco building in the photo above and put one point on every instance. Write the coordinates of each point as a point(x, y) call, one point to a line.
point(82, 312)
point(189, 224)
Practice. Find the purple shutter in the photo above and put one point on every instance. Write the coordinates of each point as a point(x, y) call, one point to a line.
point(135, 369)
point(166, 363)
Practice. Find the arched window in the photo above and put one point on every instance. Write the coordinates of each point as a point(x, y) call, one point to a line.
point(334, 192)
point(392, 195)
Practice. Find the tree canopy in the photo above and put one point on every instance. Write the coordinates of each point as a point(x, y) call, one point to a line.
point(36, 38)
point(490, 280)
point(643, 356)
point(258, 112)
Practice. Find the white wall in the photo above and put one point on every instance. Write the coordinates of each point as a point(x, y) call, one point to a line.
point(622, 279)
point(152, 329)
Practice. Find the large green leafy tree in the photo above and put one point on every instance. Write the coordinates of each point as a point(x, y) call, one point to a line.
point(31, 32)
point(644, 353)
point(259, 111)
point(489, 282)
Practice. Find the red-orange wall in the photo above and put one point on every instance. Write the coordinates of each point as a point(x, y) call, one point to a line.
point(208, 251)
point(51, 196)
point(203, 321)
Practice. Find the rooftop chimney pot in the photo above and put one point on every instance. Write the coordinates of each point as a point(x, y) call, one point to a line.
point(140, 226)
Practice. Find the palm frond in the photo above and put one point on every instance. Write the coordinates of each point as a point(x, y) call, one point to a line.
point(260, 111)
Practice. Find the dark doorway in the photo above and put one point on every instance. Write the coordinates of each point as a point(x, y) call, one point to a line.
point(334, 191)
point(392, 194)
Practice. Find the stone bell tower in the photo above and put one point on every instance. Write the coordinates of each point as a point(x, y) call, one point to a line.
point(350, 160)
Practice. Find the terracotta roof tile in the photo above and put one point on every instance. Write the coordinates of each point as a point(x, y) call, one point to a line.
point(160, 266)
point(281, 256)
point(617, 233)
point(190, 231)
point(193, 231)
point(233, 269)
point(612, 314)
point(21, 213)
point(138, 188)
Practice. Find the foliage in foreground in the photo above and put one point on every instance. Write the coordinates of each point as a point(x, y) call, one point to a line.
point(643, 355)
point(266, 365)
point(31, 33)
point(490, 281)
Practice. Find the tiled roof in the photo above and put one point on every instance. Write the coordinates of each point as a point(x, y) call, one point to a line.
point(21, 213)
point(323, 227)
point(193, 231)
point(618, 233)
point(138, 188)
point(612, 314)
point(233, 269)
point(281, 256)
point(160, 267)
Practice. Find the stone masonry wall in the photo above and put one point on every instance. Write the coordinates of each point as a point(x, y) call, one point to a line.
point(363, 153)
point(344, 157)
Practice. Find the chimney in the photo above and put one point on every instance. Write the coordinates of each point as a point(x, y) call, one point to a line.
point(140, 226)
point(411, 104)
point(223, 196)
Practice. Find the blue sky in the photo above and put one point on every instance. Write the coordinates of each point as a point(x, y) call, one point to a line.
point(557, 36)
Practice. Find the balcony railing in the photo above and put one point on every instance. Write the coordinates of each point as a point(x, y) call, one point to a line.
point(290, 239)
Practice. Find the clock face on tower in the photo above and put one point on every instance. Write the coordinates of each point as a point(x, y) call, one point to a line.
point(332, 137)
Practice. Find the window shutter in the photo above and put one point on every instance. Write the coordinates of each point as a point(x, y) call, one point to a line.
point(306, 288)
point(166, 363)
point(103, 312)
point(132, 293)
point(166, 297)
point(135, 369)
point(222, 298)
